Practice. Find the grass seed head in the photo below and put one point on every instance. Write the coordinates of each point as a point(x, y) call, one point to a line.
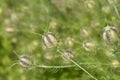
point(25, 61)
point(49, 40)
point(110, 34)
point(115, 63)
point(69, 42)
point(84, 32)
point(106, 9)
point(112, 2)
point(89, 4)
point(67, 55)
point(88, 45)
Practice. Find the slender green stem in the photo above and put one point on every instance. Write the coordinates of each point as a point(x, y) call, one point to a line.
point(29, 32)
point(12, 66)
point(37, 34)
point(117, 13)
point(44, 66)
point(116, 10)
point(83, 69)
point(78, 65)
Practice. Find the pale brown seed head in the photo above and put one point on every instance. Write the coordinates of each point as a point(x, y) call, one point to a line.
point(89, 4)
point(89, 45)
point(115, 63)
point(110, 33)
point(49, 40)
point(68, 54)
point(25, 61)
point(69, 42)
point(112, 2)
point(84, 32)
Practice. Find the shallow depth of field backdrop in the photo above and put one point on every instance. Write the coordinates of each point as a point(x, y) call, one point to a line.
point(78, 26)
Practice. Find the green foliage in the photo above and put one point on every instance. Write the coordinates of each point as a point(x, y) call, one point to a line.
point(78, 25)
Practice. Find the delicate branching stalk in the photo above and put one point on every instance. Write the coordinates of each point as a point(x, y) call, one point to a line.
point(44, 66)
point(113, 3)
point(32, 32)
point(12, 66)
point(83, 69)
point(78, 65)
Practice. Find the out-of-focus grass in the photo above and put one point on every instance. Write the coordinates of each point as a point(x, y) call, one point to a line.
point(66, 18)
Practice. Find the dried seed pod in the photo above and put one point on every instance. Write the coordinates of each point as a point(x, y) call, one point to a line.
point(110, 54)
point(67, 55)
point(69, 42)
point(53, 24)
point(112, 2)
point(84, 32)
point(110, 33)
point(49, 40)
point(9, 29)
point(88, 45)
point(48, 56)
point(25, 61)
point(106, 9)
point(115, 63)
point(89, 4)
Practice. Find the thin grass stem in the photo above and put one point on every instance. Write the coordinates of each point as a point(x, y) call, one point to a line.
point(78, 65)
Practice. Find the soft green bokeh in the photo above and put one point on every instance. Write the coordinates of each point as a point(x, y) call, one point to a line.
point(20, 20)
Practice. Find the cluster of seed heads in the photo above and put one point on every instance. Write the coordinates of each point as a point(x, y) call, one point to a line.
point(109, 34)
point(49, 41)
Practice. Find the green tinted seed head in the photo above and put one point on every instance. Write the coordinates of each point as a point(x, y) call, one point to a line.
point(69, 42)
point(89, 4)
point(115, 63)
point(88, 45)
point(112, 2)
point(84, 32)
point(110, 33)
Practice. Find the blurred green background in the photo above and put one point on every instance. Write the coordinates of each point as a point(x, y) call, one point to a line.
point(68, 19)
